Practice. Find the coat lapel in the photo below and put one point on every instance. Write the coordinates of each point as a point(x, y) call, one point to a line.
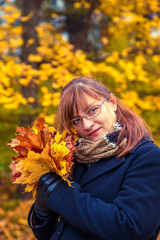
point(78, 171)
point(100, 167)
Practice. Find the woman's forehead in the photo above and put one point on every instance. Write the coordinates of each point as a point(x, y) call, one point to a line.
point(84, 103)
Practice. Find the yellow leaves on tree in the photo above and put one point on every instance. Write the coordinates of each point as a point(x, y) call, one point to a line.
point(59, 67)
point(40, 151)
point(128, 56)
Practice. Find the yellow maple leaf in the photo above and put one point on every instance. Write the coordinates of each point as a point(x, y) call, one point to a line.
point(58, 137)
point(59, 151)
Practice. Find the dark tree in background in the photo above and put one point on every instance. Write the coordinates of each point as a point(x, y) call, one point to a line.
point(78, 23)
point(29, 32)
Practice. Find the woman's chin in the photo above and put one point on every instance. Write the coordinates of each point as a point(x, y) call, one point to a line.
point(95, 138)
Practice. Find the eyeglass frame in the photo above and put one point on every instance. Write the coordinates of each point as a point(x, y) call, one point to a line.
point(85, 115)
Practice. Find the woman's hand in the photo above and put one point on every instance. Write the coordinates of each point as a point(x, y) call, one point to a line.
point(46, 185)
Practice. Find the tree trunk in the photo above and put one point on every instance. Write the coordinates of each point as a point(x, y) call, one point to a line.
point(78, 23)
point(29, 32)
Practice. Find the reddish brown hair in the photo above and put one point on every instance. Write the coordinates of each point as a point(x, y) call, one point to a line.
point(73, 97)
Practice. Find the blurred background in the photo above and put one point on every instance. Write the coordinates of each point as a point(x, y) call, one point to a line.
point(46, 43)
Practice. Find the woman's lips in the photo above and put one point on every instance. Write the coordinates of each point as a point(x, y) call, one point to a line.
point(94, 132)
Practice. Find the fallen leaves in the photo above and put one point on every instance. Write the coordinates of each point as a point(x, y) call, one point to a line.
point(14, 212)
point(41, 150)
point(13, 224)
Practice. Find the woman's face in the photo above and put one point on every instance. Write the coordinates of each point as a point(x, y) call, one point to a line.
point(95, 128)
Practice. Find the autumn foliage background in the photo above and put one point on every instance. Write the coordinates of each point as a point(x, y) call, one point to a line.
point(46, 43)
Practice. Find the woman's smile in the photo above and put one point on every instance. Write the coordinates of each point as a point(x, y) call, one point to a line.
point(94, 132)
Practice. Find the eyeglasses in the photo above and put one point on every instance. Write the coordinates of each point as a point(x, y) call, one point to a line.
point(90, 113)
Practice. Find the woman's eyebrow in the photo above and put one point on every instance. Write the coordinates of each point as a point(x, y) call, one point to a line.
point(88, 107)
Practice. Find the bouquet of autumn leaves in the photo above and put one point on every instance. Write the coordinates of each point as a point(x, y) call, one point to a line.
point(41, 150)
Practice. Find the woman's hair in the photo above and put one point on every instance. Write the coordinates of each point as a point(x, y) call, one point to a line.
point(73, 97)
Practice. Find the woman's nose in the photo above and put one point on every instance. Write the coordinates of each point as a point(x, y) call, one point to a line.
point(86, 123)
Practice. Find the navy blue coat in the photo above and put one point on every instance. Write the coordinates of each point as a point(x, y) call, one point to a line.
point(115, 199)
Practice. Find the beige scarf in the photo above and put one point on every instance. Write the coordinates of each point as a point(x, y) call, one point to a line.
point(89, 152)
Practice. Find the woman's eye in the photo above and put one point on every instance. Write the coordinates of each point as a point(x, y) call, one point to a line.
point(76, 121)
point(92, 110)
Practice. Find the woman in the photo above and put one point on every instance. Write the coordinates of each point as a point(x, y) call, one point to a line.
point(116, 175)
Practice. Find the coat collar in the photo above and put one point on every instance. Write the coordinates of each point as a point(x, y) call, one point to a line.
point(140, 143)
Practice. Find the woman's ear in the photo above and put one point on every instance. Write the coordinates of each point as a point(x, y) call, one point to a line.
point(113, 100)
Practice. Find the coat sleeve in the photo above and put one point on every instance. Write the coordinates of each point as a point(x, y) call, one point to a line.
point(134, 212)
point(44, 231)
